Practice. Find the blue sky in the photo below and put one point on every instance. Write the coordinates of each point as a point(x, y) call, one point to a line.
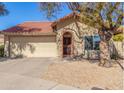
point(22, 11)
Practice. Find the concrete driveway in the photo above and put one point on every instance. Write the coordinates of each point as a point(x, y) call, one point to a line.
point(26, 74)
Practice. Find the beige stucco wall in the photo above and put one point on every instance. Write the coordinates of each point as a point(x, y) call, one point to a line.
point(1, 39)
point(78, 30)
point(33, 46)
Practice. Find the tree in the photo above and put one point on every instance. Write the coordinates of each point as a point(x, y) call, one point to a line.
point(3, 10)
point(51, 8)
point(107, 17)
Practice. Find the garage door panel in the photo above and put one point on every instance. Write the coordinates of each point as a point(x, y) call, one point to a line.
point(33, 47)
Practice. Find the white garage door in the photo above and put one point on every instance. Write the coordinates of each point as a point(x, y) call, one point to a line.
point(43, 46)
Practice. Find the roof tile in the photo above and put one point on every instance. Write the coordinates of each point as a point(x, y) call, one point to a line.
point(43, 27)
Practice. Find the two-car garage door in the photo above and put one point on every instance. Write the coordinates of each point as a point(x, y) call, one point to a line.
point(33, 46)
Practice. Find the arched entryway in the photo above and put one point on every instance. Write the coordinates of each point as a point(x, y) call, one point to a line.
point(67, 44)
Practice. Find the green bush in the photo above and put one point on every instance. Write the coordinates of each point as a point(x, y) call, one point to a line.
point(118, 37)
point(1, 50)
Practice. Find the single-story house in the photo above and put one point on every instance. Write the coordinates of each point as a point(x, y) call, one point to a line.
point(64, 37)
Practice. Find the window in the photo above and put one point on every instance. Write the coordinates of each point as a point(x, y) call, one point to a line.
point(92, 42)
point(88, 42)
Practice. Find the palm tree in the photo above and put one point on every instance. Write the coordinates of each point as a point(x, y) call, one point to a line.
point(3, 10)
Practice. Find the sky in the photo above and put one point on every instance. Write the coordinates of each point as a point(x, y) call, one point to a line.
point(20, 12)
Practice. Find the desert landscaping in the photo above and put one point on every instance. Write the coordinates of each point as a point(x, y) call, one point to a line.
point(86, 75)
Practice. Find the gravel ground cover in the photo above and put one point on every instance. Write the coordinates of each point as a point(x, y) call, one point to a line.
point(86, 75)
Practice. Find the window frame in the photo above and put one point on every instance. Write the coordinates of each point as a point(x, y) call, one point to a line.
point(93, 41)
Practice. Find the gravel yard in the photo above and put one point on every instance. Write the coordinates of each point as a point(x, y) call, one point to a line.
point(85, 75)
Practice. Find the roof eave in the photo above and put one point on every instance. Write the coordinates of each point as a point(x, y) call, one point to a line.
point(29, 34)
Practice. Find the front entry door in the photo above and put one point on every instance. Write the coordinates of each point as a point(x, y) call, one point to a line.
point(66, 45)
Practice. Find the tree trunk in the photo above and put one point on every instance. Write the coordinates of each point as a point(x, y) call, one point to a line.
point(104, 53)
point(106, 41)
point(104, 49)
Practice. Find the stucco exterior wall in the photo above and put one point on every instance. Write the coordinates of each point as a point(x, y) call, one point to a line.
point(78, 30)
point(33, 46)
point(1, 39)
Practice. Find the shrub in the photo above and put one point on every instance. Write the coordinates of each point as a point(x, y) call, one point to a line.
point(118, 37)
point(1, 50)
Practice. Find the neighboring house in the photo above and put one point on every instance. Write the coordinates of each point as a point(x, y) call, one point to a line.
point(52, 39)
point(118, 46)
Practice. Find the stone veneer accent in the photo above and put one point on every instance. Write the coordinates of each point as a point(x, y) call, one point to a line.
point(77, 30)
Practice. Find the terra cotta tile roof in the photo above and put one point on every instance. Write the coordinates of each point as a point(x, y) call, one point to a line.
point(73, 14)
point(43, 27)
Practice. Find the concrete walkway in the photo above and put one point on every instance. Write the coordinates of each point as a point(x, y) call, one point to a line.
point(18, 82)
point(26, 74)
